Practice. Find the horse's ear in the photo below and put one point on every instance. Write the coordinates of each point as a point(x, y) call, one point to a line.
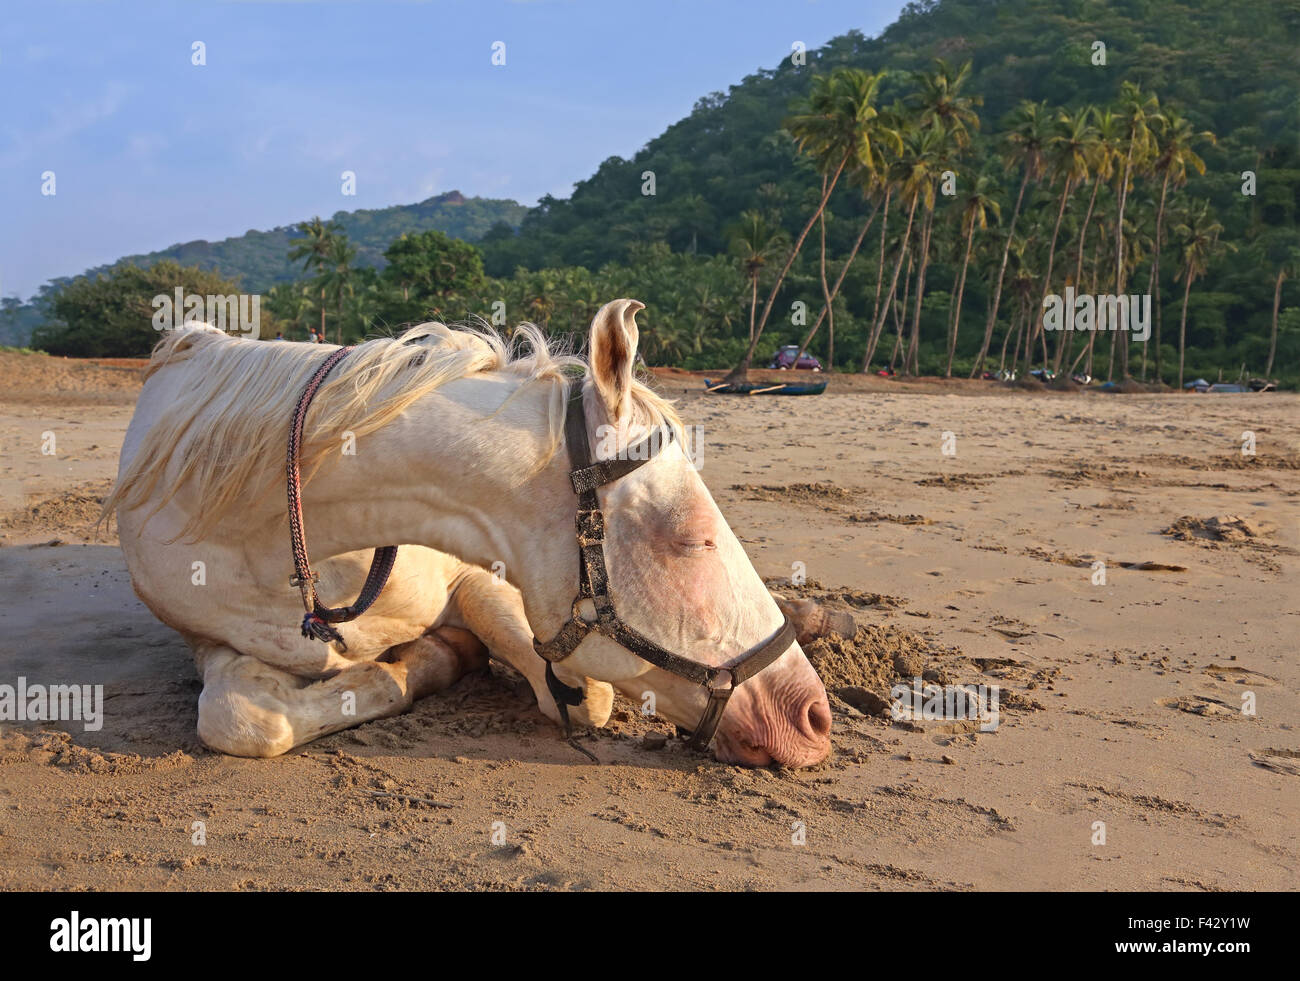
point(613, 352)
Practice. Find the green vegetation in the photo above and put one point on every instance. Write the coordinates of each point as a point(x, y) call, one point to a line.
point(111, 315)
point(258, 260)
point(904, 201)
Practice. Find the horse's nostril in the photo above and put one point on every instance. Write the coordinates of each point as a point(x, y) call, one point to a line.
point(818, 718)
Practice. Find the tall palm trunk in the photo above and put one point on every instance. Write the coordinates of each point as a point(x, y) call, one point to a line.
point(1153, 287)
point(1051, 261)
point(880, 268)
point(914, 345)
point(1078, 269)
point(900, 314)
point(893, 286)
point(1013, 327)
point(1119, 254)
point(1092, 334)
point(1002, 270)
point(753, 302)
point(828, 186)
point(1182, 326)
point(826, 295)
point(839, 281)
point(961, 289)
point(1272, 340)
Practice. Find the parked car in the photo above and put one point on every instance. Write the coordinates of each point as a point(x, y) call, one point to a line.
point(784, 359)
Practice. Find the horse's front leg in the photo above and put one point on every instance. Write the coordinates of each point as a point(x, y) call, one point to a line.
point(493, 611)
point(248, 708)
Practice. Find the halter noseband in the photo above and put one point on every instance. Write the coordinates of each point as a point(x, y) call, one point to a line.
point(593, 584)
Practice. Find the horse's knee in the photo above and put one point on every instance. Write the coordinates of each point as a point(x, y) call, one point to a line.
point(232, 723)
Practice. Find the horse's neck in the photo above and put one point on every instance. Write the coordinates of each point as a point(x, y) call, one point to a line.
point(459, 473)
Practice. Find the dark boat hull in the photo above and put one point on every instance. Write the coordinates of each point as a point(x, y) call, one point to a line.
point(764, 388)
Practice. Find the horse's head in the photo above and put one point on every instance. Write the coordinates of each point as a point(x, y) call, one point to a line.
point(679, 577)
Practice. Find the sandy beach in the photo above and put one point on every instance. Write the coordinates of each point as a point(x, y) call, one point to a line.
point(962, 525)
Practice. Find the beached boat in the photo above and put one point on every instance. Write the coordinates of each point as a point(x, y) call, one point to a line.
point(765, 388)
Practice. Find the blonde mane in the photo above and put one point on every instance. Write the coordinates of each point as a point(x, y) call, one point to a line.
point(230, 427)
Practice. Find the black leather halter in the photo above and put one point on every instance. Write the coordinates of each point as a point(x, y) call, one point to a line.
point(593, 584)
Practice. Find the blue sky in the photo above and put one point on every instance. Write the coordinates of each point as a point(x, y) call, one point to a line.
point(149, 150)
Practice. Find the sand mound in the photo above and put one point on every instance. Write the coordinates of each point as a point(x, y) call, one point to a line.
point(872, 658)
point(69, 515)
point(1224, 528)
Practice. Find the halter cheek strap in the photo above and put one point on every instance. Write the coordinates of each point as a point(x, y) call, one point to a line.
point(593, 584)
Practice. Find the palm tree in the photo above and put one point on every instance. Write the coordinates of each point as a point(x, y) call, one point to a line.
point(941, 103)
point(1174, 137)
point(1070, 154)
point(1031, 258)
point(927, 159)
point(1026, 141)
point(755, 241)
point(313, 247)
point(834, 128)
point(1104, 148)
point(976, 206)
point(947, 118)
point(1097, 256)
point(1285, 249)
point(336, 278)
point(1139, 111)
point(292, 305)
point(1197, 234)
point(1020, 289)
point(869, 174)
point(911, 194)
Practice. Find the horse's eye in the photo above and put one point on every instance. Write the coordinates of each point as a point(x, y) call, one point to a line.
point(697, 545)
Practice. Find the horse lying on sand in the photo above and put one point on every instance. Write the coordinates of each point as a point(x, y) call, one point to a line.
point(453, 445)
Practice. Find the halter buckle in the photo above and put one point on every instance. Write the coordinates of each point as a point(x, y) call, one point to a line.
point(297, 582)
point(719, 680)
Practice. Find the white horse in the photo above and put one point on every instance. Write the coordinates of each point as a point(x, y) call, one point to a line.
point(448, 443)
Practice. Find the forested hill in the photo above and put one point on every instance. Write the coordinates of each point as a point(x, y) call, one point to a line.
point(259, 260)
point(1233, 68)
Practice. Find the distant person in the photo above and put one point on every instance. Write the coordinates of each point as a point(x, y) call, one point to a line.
point(279, 335)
